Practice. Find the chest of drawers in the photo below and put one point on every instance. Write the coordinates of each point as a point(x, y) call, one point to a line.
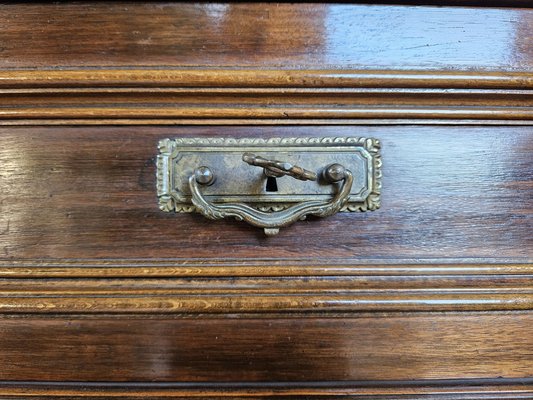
point(104, 295)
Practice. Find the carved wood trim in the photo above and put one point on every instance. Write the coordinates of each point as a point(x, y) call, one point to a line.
point(437, 389)
point(261, 78)
point(245, 267)
point(188, 287)
point(187, 95)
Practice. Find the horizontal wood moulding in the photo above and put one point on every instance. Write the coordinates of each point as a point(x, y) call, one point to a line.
point(149, 116)
point(364, 347)
point(205, 298)
point(481, 389)
point(260, 94)
point(258, 287)
point(247, 267)
point(161, 78)
point(260, 121)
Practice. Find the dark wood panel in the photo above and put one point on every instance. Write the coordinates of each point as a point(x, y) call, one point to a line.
point(479, 389)
point(72, 192)
point(310, 35)
point(377, 347)
point(104, 295)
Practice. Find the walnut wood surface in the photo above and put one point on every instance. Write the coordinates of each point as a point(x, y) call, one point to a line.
point(169, 63)
point(480, 389)
point(263, 288)
point(102, 295)
point(90, 193)
point(282, 35)
point(365, 348)
point(454, 241)
point(197, 95)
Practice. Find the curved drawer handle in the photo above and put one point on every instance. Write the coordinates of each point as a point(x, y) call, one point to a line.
point(272, 222)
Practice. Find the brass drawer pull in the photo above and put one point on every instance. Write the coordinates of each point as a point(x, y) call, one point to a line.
point(272, 222)
point(208, 175)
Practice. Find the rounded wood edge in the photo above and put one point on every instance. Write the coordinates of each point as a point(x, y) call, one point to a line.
point(306, 112)
point(259, 121)
point(481, 389)
point(270, 303)
point(204, 287)
point(239, 77)
point(172, 268)
point(253, 96)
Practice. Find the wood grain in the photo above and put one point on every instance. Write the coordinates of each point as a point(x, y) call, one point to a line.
point(68, 80)
point(90, 193)
point(365, 348)
point(276, 302)
point(102, 295)
point(85, 34)
point(307, 62)
point(263, 288)
point(192, 95)
point(208, 289)
point(480, 389)
point(267, 267)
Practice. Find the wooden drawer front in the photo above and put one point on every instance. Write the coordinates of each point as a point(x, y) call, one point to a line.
point(89, 192)
point(379, 347)
point(83, 232)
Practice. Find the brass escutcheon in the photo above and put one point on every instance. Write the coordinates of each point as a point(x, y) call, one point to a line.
point(212, 176)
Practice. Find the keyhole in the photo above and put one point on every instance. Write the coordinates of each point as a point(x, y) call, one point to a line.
point(271, 185)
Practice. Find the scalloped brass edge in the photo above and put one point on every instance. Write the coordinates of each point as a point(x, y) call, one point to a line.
point(168, 146)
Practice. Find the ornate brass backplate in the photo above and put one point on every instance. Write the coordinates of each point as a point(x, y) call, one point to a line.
point(215, 176)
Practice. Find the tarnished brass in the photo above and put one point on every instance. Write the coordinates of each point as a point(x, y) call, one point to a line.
point(271, 222)
point(276, 169)
point(208, 175)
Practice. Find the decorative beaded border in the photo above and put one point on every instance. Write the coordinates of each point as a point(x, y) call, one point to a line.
point(167, 149)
